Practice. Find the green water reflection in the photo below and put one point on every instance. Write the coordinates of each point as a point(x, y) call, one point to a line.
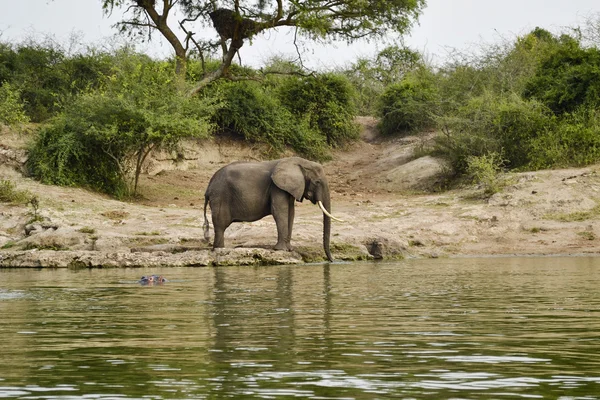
point(461, 328)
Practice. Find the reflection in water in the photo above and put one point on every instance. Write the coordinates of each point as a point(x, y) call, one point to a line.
point(469, 328)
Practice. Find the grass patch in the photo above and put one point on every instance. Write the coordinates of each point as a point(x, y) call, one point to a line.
point(577, 216)
point(53, 247)
point(10, 194)
point(148, 241)
point(87, 229)
point(115, 214)
point(587, 235)
point(8, 245)
point(153, 233)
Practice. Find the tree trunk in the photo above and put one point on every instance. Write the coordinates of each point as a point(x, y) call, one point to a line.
point(161, 24)
point(222, 70)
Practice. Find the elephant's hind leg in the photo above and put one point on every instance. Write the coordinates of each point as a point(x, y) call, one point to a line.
point(221, 220)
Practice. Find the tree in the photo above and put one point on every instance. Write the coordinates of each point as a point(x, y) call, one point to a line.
point(236, 21)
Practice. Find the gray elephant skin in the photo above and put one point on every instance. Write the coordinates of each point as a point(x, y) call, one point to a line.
point(249, 191)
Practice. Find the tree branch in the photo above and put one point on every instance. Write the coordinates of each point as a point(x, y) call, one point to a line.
point(221, 71)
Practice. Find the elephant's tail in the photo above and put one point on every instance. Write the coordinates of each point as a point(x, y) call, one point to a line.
point(206, 225)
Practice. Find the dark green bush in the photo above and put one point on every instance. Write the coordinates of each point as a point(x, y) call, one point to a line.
point(35, 69)
point(567, 78)
point(47, 78)
point(256, 115)
point(411, 104)
point(326, 101)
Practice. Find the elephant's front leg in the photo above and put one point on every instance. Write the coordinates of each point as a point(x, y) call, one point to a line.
point(291, 212)
point(282, 208)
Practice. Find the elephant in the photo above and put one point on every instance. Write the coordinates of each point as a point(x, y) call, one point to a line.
point(249, 191)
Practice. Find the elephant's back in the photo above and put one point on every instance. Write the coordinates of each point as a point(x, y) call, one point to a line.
point(240, 174)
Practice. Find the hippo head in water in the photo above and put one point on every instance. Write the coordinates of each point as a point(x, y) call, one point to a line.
point(152, 280)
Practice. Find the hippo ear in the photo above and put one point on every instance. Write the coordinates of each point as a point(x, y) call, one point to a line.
point(288, 176)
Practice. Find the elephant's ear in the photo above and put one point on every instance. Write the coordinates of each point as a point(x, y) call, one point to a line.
point(288, 176)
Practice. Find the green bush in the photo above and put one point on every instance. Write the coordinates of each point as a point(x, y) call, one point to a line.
point(327, 102)
point(411, 104)
point(370, 76)
point(498, 70)
point(485, 170)
point(11, 108)
point(252, 111)
point(457, 84)
point(47, 78)
point(574, 142)
point(493, 124)
point(258, 117)
point(567, 78)
point(102, 139)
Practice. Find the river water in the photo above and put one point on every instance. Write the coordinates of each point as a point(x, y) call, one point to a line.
point(418, 329)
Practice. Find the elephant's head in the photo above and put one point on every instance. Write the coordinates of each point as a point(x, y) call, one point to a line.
point(305, 179)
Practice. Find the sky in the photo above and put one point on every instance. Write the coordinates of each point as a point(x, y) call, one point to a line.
point(444, 27)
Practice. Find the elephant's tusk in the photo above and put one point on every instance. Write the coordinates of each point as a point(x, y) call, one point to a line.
point(327, 212)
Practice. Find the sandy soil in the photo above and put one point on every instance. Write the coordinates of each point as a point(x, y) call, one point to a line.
point(382, 193)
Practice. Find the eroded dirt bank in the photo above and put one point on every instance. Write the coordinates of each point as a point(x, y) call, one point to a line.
point(377, 188)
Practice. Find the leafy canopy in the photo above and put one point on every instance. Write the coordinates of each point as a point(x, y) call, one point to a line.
point(236, 21)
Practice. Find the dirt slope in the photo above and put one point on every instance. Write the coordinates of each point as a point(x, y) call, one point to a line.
point(377, 188)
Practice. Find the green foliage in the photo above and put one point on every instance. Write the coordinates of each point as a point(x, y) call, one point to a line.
point(485, 171)
point(411, 104)
point(326, 101)
point(574, 142)
point(370, 76)
point(490, 124)
point(254, 113)
point(308, 114)
point(534, 101)
point(10, 194)
point(567, 78)
point(11, 107)
point(46, 78)
point(102, 139)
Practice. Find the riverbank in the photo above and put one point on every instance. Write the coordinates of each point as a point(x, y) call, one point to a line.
point(379, 189)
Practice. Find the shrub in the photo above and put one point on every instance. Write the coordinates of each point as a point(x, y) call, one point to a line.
point(574, 142)
point(499, 69)
point(102, 139)
point(11, 108)
point(567, 78)
point(47, 78)
point(370, 76)
point(327, 102)
point(255, 114)
point(485, 171)
point(492, 124)
point(411, 104)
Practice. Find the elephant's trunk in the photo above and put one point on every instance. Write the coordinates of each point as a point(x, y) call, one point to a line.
point(327, 224)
